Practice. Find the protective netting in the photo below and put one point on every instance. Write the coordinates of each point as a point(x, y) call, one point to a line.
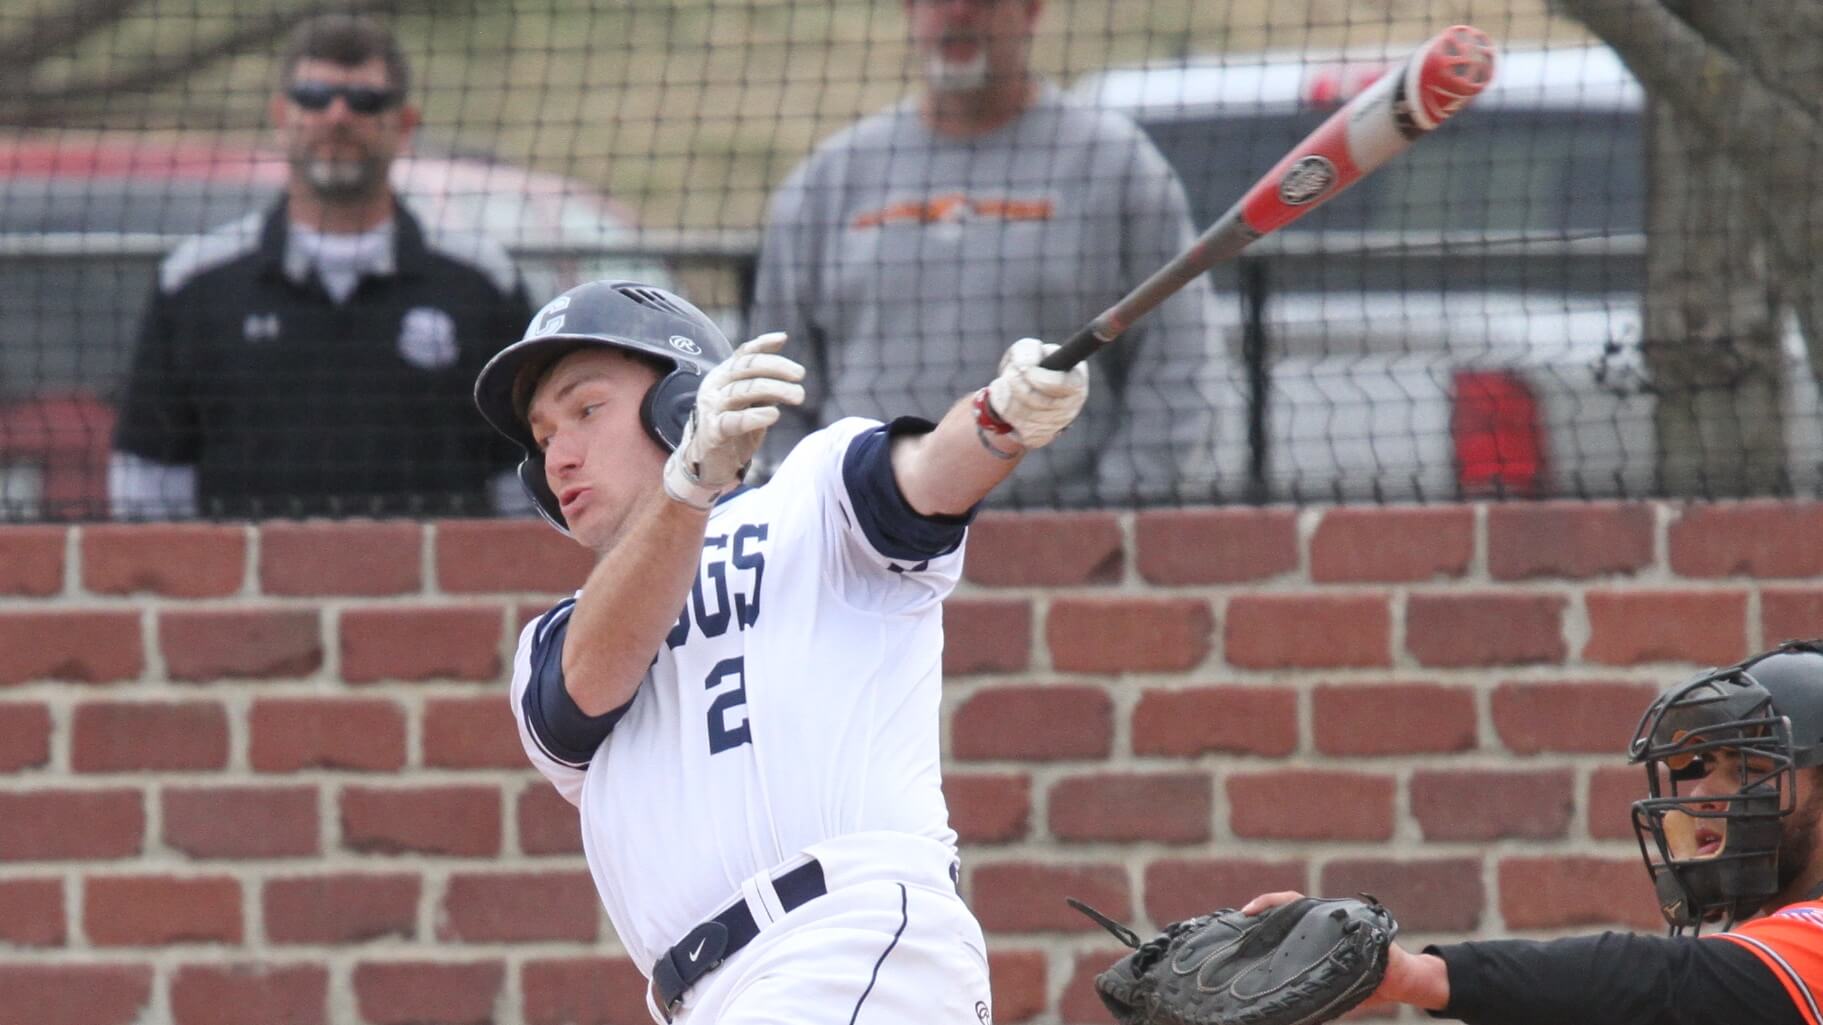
point(1580, 285)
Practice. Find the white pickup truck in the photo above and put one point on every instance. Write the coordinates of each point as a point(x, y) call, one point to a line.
point(1463, 322)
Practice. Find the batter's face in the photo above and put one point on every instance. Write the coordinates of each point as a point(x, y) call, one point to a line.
point(970, 46)
point(341, 154)
point(598, 458)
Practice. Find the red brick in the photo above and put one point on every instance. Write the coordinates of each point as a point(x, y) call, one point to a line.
point(1034, 724)
point(1020, 984)
point(1570, 540)
point(317, 559)
point(479, 556)
point(548, 824)
point(1128, 634)
point(31, 913)
point(1633, 627)
point(79, 647)
point(1763, 539)
point(583, 991)
point(1021, 896)
point(178, 560)
point(1223, 719)
point(988, 808)
point(1486, 804)
point(1303, 631)
point(71, 825)
point(76, 994)
point(144, 911)
point(519, 907)
point(1561, 892)
point(1789, 614)
point(1440, 895)
point(1215, 546)
point(1165, 807)
point(461, 821)
point(170, 736)
point(1079, 1005)
point(1572, 716)
point(412, 993)
point(1612, 792)
point(471, 733)
point(340, 909)
point(986, 635)
point(288, 734)
point(458, 642)
point(242, 822)
point(1181, 888)
point(1393, 719)
point(233, 994)
point(1040, 549)
point(1452, 629)
point(218, 644)
point(31, 560)
point(25, 736)
point(1308, 804)
point(1392, 545)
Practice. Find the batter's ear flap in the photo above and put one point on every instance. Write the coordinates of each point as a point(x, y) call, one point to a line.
point(667, 406)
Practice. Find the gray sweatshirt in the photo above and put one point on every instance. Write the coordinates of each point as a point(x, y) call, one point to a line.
point(903, 264)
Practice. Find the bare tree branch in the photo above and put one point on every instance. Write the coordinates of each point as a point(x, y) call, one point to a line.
point(51, 32)
point(31, 108)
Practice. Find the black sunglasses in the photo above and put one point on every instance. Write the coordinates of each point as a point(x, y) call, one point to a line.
point(362, 99)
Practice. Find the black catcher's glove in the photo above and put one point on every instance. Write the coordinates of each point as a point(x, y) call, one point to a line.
point(1300, 963)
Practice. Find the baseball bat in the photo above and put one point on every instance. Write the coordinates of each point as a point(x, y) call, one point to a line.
point(1377, 125)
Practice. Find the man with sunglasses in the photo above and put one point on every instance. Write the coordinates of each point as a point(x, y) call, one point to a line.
point(315, 358)
point(904, 251)
point(1730, 832)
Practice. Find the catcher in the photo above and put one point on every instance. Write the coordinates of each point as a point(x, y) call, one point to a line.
point(1729, 831)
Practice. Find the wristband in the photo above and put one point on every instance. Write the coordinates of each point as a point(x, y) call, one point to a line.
point(685, 487)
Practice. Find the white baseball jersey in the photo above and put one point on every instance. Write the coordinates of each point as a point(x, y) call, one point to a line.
point(795, 701)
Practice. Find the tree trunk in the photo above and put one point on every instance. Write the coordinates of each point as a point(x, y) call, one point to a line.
point(1711, 323)
point(1735, 150)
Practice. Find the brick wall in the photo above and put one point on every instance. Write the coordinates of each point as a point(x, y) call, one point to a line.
point(267, 775)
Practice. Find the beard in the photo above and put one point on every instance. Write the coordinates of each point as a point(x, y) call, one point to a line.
point(339, 179)
point(947, 76)
point(1798, 840)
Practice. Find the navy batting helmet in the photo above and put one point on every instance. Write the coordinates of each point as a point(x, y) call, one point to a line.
point(1767, 711)
point(641, 320)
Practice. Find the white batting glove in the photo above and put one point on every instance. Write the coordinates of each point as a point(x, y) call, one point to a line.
point(1032, 404)
point(735, 404)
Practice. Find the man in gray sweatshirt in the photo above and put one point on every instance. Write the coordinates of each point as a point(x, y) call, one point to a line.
point(907, 251)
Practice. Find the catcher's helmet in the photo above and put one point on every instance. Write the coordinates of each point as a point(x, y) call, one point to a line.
point(640, 320)
point(1768, 712)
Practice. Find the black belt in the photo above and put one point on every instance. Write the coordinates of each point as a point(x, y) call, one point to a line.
point(705, 947)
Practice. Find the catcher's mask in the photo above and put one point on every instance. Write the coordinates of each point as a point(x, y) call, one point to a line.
point(1714, 855)
point(642, 321)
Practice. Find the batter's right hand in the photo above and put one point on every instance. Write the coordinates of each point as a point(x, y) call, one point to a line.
point(735, 404)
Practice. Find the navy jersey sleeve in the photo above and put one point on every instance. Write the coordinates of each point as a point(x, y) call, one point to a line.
point(559, 738)
point(891, 525)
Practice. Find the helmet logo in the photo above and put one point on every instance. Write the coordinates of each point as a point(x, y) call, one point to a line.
point(549, 320)
point(686, 345)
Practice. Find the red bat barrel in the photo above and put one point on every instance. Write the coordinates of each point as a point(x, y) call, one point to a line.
point(1375, 126)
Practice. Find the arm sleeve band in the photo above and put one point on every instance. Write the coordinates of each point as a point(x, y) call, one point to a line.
point(891, 525)
point(562, 729)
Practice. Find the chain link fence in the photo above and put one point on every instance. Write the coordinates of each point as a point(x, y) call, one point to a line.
point(1595, 281)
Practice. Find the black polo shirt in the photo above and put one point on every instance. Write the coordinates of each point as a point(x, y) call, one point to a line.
point(288, 403)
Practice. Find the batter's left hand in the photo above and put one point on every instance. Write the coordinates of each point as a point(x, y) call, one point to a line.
point(1034, 403)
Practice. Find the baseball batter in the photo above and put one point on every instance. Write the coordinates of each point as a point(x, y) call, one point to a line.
point(742, 700)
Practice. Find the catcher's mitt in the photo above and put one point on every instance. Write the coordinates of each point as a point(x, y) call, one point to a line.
point(1298, 964)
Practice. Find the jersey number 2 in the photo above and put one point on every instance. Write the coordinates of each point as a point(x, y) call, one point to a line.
point(722, 736)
